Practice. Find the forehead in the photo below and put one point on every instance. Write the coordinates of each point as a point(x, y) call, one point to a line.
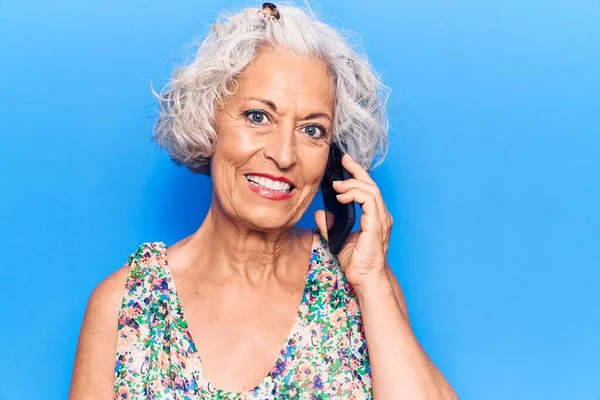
point(288, 79)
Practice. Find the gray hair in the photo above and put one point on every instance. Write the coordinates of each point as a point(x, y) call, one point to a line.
point(185, 126)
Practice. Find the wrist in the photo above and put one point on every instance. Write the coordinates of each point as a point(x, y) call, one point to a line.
point(374, 286)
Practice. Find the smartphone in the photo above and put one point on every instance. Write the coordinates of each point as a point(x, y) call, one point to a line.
point(344, 214)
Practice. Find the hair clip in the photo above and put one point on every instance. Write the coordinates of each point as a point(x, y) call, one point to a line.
point(270, 11)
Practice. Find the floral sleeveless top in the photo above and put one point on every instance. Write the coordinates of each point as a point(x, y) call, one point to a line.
point(324, 357)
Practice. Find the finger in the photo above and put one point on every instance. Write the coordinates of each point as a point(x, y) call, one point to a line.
point(367, 202)
point(324, 220)
point(351, 183)
point(355, 169)
point(344, 186)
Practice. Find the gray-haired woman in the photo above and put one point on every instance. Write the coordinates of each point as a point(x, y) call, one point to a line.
point(250, 306)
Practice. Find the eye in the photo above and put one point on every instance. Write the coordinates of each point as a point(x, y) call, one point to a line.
point(257, 117)
point(314, 130)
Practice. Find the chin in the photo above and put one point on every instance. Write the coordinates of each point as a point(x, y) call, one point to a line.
point(265, 218)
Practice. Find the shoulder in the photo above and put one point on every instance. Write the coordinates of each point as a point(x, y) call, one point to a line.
point(96, 348)
point(99, 326)
point(106, 298)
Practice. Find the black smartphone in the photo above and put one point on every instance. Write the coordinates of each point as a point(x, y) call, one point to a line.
point(344, 214)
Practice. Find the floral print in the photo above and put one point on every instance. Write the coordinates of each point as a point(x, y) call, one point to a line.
point(324, 357)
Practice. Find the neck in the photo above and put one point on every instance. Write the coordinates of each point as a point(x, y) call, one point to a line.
point(230, 246)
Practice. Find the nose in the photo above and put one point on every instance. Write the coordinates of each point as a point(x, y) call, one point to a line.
point(280, 146)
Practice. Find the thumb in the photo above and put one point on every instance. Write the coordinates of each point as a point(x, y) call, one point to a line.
point(324, 220)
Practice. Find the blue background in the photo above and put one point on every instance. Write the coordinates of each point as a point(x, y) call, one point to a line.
point(493, 177)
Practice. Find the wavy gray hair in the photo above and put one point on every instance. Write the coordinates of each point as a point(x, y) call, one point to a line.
point(185, 126)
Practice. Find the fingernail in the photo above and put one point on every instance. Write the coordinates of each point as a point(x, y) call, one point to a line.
point(337, 182)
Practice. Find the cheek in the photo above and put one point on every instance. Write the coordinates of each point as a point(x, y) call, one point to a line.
point(314, 168)
point(236, 144)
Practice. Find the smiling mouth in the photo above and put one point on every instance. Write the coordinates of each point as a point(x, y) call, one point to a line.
point(263, 182)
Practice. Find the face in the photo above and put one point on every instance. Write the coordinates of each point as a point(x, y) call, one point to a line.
point(273, 140)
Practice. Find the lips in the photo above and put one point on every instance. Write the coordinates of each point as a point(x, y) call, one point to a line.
point(268, 183)
point(271, 187)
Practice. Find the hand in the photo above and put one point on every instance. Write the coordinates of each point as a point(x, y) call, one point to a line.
point(363, 255)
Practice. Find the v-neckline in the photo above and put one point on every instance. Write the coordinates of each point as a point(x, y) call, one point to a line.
point(282, 350)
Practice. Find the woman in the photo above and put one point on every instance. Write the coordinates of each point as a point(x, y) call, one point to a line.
point(216, 314)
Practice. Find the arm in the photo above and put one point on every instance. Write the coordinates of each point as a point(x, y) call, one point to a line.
point(398, 294)
point(400, 369)
point(93, 371)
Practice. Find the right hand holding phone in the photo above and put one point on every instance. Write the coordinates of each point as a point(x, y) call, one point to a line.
point(363, 255)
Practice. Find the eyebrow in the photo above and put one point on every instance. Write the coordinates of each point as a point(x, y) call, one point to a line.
point(268, 103)
point(318, 115)
point(273, 107)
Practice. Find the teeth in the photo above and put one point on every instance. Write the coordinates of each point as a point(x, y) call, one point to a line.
point(270, 184)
